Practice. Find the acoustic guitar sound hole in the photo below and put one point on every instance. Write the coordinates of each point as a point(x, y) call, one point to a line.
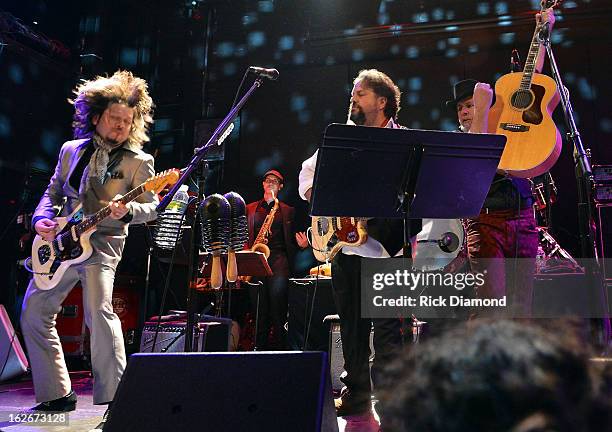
point(521, 99)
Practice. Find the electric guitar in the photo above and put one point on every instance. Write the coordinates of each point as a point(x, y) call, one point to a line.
point(71, 245)
point(330, 234)
point(524, 102)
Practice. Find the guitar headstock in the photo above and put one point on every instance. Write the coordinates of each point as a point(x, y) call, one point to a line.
point(549, 4)
point(161, 180)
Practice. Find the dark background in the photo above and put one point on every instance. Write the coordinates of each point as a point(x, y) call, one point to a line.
point(194, 53)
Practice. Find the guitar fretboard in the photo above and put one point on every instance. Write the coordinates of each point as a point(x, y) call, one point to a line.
point(532, 58)
point(92, 221)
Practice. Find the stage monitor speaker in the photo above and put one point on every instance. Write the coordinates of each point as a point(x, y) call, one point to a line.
point(249, 391)
point(13, 361)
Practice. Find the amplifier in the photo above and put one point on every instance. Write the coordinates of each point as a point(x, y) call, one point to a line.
point(208, 335)
point(604, 239)
point(602, 173)
point(603, 193)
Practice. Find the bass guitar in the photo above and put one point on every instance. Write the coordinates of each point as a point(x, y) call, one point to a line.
point(524, 102)
point(71, 245)
point(330, 234)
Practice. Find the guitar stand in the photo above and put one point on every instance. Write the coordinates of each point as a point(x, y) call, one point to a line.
point(584, 180)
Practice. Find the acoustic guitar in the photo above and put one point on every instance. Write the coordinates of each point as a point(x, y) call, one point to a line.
point(523, 113)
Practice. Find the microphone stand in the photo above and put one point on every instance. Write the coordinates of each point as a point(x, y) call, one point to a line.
point(199, 154)
point(585, 185)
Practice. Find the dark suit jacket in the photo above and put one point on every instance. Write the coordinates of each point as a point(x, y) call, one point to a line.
point(287, 214)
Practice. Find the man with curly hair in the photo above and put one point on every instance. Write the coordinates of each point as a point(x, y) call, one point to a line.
point(104, 161)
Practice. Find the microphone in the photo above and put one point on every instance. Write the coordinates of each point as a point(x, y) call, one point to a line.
point(239, 232)
point(215, 217)
point(515, 61)
point(449, 242)
point(271, 74)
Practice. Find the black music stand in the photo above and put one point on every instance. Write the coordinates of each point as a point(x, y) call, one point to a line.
point(403, 173)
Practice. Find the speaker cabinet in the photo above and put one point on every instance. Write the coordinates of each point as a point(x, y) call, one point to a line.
point(250, 391)
point(309, 302)
point(336, 357)
point(211, 334)
point(604, 213)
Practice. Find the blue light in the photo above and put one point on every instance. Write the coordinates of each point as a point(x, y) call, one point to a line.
point(421, 17)
point(128, 57)
point(5, 126)
point(448, 125)
point(250, 18)
point(383, 18)
point(299, 57)
point(415, 83)
point(441, 44)
point(451, 28)
point(297, 102)
point(482, 8)
point(605, 125)
point(266, 6)
point(569, 77)
point(557, 36)
point(587, 91)
point(437, 14)
point(501, 8)
point(286, 43)
point(40, 163)
point(569, 5)
point(229, 69)
point(349, 32)
point(304, 117)
point(330, 60)
point(395, 49)
point(412, 98)
point(434, 114)
point(50, 141)
point(454, 41)
point(507, 38)
point(358, 55)
point(225, 49)
point(451, 52)
point(412, 52)
point(15, 73)
point(256, 39)
point(473, 49)
point(162, 125)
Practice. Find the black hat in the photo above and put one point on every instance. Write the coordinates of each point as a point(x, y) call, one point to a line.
point(462, 90)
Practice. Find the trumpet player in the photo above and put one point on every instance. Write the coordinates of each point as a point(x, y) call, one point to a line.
point(271, 232)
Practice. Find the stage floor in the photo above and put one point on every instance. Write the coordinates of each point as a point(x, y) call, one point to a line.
point(17, 396)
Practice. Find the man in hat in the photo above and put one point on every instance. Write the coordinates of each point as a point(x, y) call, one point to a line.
point(506, 226)
point(269, 301)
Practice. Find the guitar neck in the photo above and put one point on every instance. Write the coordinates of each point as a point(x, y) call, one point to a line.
point(532, 57)
point(106, 211)
point(530, 63)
